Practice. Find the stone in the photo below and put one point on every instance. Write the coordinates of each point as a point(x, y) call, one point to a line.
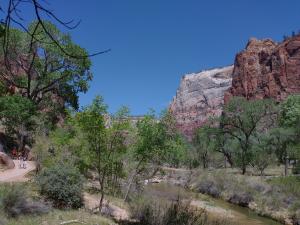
point(6, 160)
point(266, 69)
point(200, 96)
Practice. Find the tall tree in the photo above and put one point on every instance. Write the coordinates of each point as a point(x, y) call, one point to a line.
point(106, 142)
point(204, 142)
point(242, 120)
point(156, 142)
point(38, 69)
point(17, 116)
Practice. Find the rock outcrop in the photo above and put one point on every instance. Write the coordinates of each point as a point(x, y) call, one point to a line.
point(200, 96)
point(266, 69)
point(6, 160)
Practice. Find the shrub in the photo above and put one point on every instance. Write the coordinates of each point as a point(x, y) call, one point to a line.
point(242, 199)
point(63, 185)
point(15, 202)
point(296, 169)
point(296, 217)
point(150, 212)
point(209, 187)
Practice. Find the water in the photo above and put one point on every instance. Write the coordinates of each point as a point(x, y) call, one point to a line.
point(242, 215)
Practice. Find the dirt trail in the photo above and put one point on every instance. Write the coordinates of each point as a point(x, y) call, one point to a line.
point(119, 214)
point(17, 174)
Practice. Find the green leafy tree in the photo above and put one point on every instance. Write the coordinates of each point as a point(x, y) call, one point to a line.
point(17, 115)
point(176, 146)
point(263, 155)
point(40, 71)
point(154, 145)
point(283, 140)
point(106, 142)
point(242, 120)
point(42, 76)
point(204, 142)
point(287, 137)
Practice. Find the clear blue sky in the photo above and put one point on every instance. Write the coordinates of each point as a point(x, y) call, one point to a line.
point(155, 42)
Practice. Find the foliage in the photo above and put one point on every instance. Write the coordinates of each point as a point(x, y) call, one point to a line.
point(296, 169)
point(62, 184)
point(56, 217)
point(157, 143)
point(243, 120)
point(288, 135)
point(45, 68)
point(204, 142)
point(263, 155)
point(14, 200)
point(290, 112)
point(17, 115)
point(149, 212)
point(106, 142)
point(288, 185)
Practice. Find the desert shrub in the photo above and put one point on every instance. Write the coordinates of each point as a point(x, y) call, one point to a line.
point(208, 187)
point(150, 212)
point(296, 217)
point(296, 169)
point(63, 185)
point(287, 185)
point(14, 201)
point(242, 199)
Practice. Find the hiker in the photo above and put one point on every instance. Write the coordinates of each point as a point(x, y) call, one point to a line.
point(24, 162)
point(21, 160)
point(14, 153)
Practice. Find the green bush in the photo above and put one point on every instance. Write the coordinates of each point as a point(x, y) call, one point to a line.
point(15, 201)
point(62, 185)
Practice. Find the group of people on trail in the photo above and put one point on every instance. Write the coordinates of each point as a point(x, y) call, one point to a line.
point(21, 157)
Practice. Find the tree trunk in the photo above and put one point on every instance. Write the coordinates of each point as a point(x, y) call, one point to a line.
point(244, 170)
point(286, 165)
point(128, 188)
point(101, 200)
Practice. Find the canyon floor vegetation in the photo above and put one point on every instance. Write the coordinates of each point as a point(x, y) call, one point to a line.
point(92, 166)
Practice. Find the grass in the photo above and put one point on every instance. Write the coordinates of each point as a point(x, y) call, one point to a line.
point(271, 195)
point(289, 185)
point(149, 211)
point(56, 217)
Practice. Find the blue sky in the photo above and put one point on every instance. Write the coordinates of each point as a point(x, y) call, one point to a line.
point(155, 42)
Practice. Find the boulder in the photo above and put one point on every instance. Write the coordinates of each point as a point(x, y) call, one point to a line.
point(6, 160)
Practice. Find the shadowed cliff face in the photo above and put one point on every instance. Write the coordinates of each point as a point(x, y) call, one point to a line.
point(266, 69)
point(200, 96)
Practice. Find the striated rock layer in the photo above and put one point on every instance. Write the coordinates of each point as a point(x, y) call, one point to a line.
point(266, 69)
point(200, 96)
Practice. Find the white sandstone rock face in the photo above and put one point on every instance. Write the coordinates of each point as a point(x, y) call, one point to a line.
point(200, 96)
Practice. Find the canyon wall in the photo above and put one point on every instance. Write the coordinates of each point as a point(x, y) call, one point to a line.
point(264, 69)
point(200, 96)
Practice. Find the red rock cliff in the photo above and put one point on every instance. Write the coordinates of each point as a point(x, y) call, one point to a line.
point(266, 69)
